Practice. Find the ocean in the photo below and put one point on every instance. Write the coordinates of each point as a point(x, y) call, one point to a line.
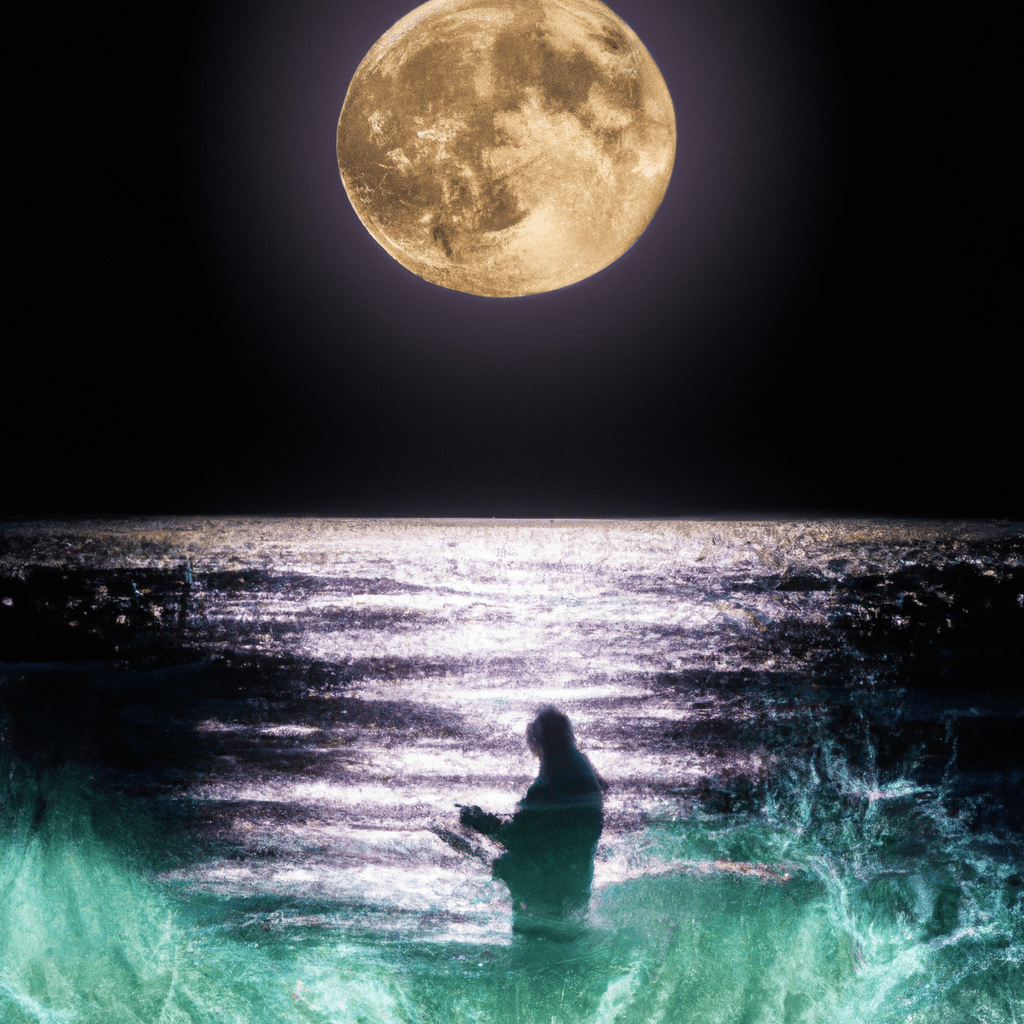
point(233, 752)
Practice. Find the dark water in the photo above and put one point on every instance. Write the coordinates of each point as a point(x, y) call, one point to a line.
point(231, 750)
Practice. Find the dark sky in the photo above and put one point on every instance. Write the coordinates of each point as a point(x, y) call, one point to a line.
point(814, 322)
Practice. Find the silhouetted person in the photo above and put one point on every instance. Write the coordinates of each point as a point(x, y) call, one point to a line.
point(550, 841)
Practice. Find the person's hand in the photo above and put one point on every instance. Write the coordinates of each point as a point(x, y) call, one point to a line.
point(469, 816)
point(473, 817)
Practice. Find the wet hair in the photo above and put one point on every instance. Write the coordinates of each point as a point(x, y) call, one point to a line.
point(550, 731)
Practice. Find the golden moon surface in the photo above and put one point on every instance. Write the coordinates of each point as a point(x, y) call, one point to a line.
point(507, 148)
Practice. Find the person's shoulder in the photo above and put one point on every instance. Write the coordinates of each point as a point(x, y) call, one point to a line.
point(593, 771)
point(541, 791)
point(564, 787)
point(584, 771)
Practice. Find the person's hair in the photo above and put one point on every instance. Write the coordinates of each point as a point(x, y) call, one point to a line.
point(551, 730)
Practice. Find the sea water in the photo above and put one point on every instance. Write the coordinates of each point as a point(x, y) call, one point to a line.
point(232, 751)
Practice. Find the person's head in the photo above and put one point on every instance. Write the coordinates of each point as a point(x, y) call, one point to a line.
point(550, 732)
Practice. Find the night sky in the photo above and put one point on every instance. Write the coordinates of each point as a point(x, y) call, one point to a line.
point(815, 322)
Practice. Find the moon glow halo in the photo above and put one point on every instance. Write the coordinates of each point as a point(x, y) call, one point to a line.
point(507, 147)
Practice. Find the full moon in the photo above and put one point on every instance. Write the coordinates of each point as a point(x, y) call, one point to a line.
point(507, 147)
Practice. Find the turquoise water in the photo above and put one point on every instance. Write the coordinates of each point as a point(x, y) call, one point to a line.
point(222, 786)
point(892, 913)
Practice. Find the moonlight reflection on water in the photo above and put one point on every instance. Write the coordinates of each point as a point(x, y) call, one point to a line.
point(236, 747)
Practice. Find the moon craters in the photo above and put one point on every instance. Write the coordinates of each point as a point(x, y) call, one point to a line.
point(507, 148)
